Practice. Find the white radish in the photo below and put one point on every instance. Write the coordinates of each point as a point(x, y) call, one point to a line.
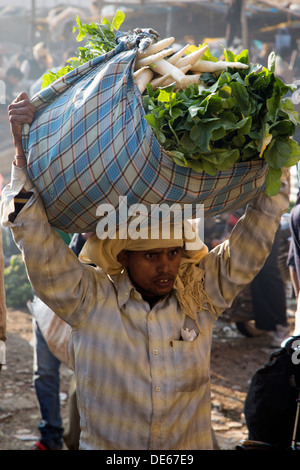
point(139, 71)
point(160, 81)
point(209, 66)
point(153, 58)
point(192, 58)
point(170, 81)
point(175, 57)
point(193, 78)
point(190, 80)
point(143, 78)
point(163, 67)
point(165, 80)
point(154, 48)
point(185, 69)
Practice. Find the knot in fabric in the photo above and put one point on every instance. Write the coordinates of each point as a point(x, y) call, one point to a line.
point(140, 38)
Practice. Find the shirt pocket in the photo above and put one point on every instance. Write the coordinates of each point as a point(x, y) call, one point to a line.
point(190, 363)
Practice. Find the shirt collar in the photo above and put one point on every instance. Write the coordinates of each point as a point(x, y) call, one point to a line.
point(125, 289)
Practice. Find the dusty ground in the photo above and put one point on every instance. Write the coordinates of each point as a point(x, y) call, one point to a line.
point(19, 411)
point(234, 360)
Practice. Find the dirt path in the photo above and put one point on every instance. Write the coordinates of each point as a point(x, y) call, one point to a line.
point(19, 411)
point(234, 360)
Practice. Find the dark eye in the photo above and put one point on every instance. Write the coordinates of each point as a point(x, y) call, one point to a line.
point(173, 252)
point(150, 255)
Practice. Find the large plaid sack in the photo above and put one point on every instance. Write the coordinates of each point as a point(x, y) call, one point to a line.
point(90, 144)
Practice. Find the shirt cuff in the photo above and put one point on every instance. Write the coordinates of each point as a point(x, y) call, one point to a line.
point(2, 353)
point(19, 180)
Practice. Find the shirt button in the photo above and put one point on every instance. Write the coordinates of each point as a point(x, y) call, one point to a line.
point(157, 389)
point(155, 352)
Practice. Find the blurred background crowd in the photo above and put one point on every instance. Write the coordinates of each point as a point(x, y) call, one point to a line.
point(36, 35)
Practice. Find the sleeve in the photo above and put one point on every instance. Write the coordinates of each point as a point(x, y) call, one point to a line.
point(296, 331)
point(291, 256)
point(2, 295)
point(233, 264)
point(294, 252)
point(58, 278)
point(2, 306)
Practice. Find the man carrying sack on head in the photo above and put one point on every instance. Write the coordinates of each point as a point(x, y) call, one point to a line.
point(142, 318)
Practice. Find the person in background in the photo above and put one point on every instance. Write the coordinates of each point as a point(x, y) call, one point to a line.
point(13, 77)
point(36, 86)
point(36, 66)
point(268, 302)
point(233, 22)
point(4, 62)
point(282, 67)
point(47, 380)
point(293, 261)
point(263, 301)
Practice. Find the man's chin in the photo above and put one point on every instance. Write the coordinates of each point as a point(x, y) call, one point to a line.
point(155, 291)
point(163, 289)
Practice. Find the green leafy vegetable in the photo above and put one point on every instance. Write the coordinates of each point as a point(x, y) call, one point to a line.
point(241, 115)
point(100, 39)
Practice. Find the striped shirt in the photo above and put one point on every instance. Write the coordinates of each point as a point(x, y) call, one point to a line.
point(138, 385)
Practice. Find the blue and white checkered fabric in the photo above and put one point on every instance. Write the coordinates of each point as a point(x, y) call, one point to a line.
point(90, 144)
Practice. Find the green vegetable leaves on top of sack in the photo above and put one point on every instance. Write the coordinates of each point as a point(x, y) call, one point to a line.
point(236, 115)
point(100, 39)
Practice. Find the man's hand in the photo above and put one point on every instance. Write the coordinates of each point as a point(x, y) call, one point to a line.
point(20, 111)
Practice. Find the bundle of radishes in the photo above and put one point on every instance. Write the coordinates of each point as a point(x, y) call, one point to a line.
point(161, 65)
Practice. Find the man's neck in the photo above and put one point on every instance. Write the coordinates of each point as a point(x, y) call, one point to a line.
point(152, 300)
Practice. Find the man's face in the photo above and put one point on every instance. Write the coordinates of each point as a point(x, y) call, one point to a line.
point(152, 272)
